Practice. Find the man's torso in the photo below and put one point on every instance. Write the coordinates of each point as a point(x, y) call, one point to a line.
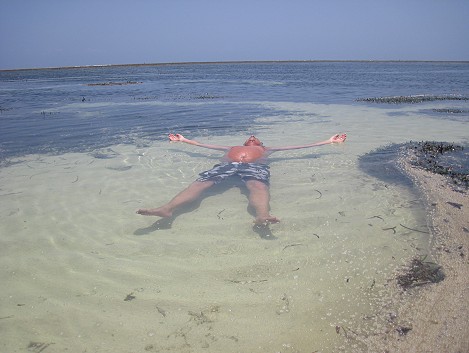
point(245, 154)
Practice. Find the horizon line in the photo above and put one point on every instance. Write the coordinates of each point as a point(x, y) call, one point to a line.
point(228, 62)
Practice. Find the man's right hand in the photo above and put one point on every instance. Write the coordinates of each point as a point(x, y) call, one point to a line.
point(176, 138)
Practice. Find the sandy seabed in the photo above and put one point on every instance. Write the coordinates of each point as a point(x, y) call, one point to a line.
point(436, 314)
point(82, 272)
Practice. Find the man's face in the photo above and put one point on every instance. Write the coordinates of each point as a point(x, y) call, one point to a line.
point(253, 141)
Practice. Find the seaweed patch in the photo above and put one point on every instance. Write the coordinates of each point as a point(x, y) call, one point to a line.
point(442, 158)
point(129, 297)
point(420, 272)
point(412, 99)
point(114, 83)
point(451, 111)
point(38, 347)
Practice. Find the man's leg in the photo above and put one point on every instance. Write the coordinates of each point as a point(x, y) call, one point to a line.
point(259, 198)
point(191, 193)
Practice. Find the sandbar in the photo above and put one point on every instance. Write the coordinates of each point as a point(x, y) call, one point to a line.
point(437, 314)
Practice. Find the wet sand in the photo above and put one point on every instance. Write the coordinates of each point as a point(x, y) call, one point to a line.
point(436, 314)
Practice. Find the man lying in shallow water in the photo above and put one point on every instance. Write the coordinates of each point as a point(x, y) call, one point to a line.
point(247, 162)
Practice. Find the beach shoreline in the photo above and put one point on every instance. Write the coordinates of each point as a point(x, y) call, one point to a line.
point(436, 315)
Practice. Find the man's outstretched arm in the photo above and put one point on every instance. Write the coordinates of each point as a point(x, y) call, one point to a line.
point(334, 139)
point(180, 138)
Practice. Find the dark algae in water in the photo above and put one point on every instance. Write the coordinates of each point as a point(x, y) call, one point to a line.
point(443, 158)
point(420, 272)
point(413, 99)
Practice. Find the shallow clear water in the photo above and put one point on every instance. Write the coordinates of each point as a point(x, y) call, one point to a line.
point(81, 271)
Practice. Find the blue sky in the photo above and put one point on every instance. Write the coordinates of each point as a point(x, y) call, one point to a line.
point(52, 33)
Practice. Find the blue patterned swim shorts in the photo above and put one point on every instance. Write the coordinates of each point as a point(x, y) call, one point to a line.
point(246, 171)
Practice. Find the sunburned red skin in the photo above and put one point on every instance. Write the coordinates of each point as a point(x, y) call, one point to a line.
point(245, 154)
point(251, 151)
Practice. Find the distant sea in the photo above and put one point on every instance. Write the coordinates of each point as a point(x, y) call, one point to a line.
point(84, 108)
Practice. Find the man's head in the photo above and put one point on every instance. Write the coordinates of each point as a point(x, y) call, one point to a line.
point(253, 141)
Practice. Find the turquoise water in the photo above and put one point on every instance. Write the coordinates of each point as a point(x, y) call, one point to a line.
point(82, 272)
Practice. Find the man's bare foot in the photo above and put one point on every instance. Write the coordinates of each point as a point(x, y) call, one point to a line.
point(266, 220)
point(160, 212)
